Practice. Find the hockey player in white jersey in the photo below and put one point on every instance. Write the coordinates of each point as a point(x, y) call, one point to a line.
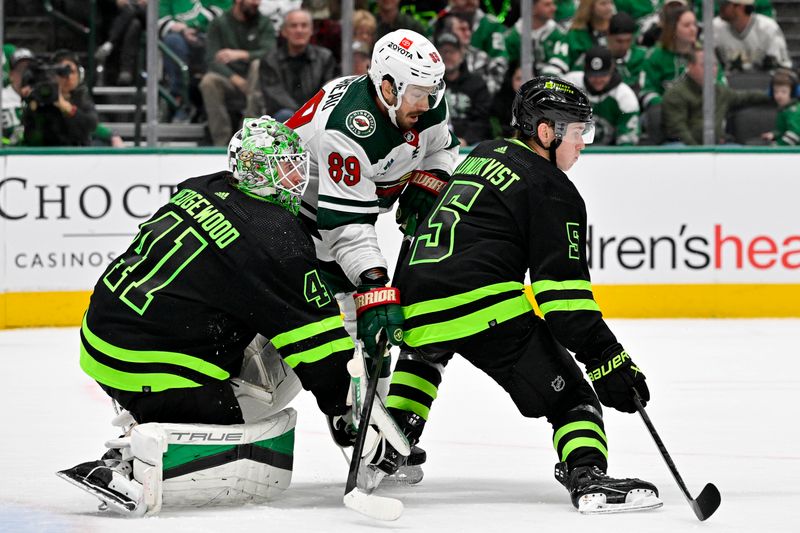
point(374, 139)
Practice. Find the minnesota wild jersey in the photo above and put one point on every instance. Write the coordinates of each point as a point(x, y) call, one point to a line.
point(506, 211)
point(615, 112)
point(359, 164)
point(550, 47)
point(208, 271)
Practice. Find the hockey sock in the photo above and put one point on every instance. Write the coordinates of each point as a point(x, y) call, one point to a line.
point(579, 438)
point(414, 386)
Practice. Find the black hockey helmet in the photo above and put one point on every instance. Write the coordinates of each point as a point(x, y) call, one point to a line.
point(553, 99)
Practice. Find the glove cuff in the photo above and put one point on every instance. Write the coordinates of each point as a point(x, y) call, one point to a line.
point(375, 297)
point(427, 181)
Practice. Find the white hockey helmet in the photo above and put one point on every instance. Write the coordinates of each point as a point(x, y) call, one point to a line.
point(408, 59)
point(268, 160)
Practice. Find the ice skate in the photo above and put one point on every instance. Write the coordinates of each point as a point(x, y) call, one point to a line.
point(410, 471)
point(110, 484)
point(594, 492)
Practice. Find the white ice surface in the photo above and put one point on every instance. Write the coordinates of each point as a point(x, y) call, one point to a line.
point(724, 401)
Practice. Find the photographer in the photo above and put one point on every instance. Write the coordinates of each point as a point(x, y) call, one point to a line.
point(57, 110)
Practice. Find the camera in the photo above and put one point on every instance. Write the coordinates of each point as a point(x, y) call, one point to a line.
point(42, 77)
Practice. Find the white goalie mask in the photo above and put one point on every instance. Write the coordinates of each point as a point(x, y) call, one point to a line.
point(414, 65)
point(268, 160)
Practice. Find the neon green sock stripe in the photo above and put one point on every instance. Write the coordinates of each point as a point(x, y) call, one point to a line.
point(568, 285)
point(442, 304)
point(320, 352)
point(410, 380)
point(583, 442)
point(469, 324)
point(304, 332)
point(578, 426)
point(569, 305)
point(408, 405)
point(152, 356)
point(131, 382)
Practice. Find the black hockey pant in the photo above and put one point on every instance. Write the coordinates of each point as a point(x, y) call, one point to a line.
point(522, 356)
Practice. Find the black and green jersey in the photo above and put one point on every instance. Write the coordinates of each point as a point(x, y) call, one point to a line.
point(208, 271)
point(505, 212)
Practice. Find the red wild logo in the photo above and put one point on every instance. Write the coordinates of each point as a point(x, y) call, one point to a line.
point(361, 121)
point(435, 57)
point(406, 43)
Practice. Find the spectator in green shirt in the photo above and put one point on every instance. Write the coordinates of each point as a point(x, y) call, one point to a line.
point(589, 28)
point(628, 56)
point(787, 124)
point(241, 35)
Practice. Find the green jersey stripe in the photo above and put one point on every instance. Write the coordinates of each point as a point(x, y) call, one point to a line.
point(569, 305)
point(577, 426)
point(153, 356)
point(582, 442)
point(410, 380)
point(307, 331)
point(396, 402)
point(470, 324)
point(345, 201)
point(567, 285)
point(320, 352)
point(131, 382)
point(443, 304)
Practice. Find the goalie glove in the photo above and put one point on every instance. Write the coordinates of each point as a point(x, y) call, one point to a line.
point(614, 377)
point(419, 197)
point(378, 308)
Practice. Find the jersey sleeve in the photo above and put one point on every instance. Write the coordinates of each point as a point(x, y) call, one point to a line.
point(560, 278)
point(347, 208)
point(289, 304)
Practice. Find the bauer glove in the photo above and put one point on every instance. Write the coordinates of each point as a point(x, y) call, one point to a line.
point(377, 309)
point(418, 198)
point(614, 377)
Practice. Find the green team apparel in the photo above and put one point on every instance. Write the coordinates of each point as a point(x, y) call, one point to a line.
point(615, 113)
point(787, 126)
point(550, 47)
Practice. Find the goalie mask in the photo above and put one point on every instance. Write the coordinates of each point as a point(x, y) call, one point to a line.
point(267, 161)
point(413, 66)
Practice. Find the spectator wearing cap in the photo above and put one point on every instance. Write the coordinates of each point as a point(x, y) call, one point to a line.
point(628, 56)
point(745, 40)
point(682, 107)
point(294, 71)
point(491, 69)
point(17, 61)
point(468, 98)
point(784, 88)
point(549, 43)
point(390, 19)
point(615, 107)
point(589, 28)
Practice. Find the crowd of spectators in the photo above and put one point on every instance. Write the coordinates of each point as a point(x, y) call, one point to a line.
point(223, 59)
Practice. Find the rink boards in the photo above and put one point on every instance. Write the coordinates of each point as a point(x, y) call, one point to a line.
point(671, 233)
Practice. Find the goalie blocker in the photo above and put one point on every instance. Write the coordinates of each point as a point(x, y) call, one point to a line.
point(192, 465)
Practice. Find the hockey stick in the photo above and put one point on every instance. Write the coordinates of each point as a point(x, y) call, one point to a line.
point(377, 507)
point(709, 499)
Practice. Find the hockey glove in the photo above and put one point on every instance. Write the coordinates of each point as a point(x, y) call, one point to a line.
point(378, 308)
point(614, 377)
point(418, 198)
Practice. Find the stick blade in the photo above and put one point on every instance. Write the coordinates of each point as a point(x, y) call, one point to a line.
point(707, 502)
point(377, 507)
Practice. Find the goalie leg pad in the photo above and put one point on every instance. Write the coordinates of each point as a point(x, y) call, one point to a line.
point(266, 384)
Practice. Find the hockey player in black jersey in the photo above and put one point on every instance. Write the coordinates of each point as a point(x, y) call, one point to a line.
point(167, 331)
point(510, 209)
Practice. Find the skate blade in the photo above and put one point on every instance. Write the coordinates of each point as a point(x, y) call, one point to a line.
point(406, 475)
point(112, 502)
point(636, 500)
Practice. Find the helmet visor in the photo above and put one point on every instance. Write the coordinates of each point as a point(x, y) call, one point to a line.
point(578, 132)
point(415, 93)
